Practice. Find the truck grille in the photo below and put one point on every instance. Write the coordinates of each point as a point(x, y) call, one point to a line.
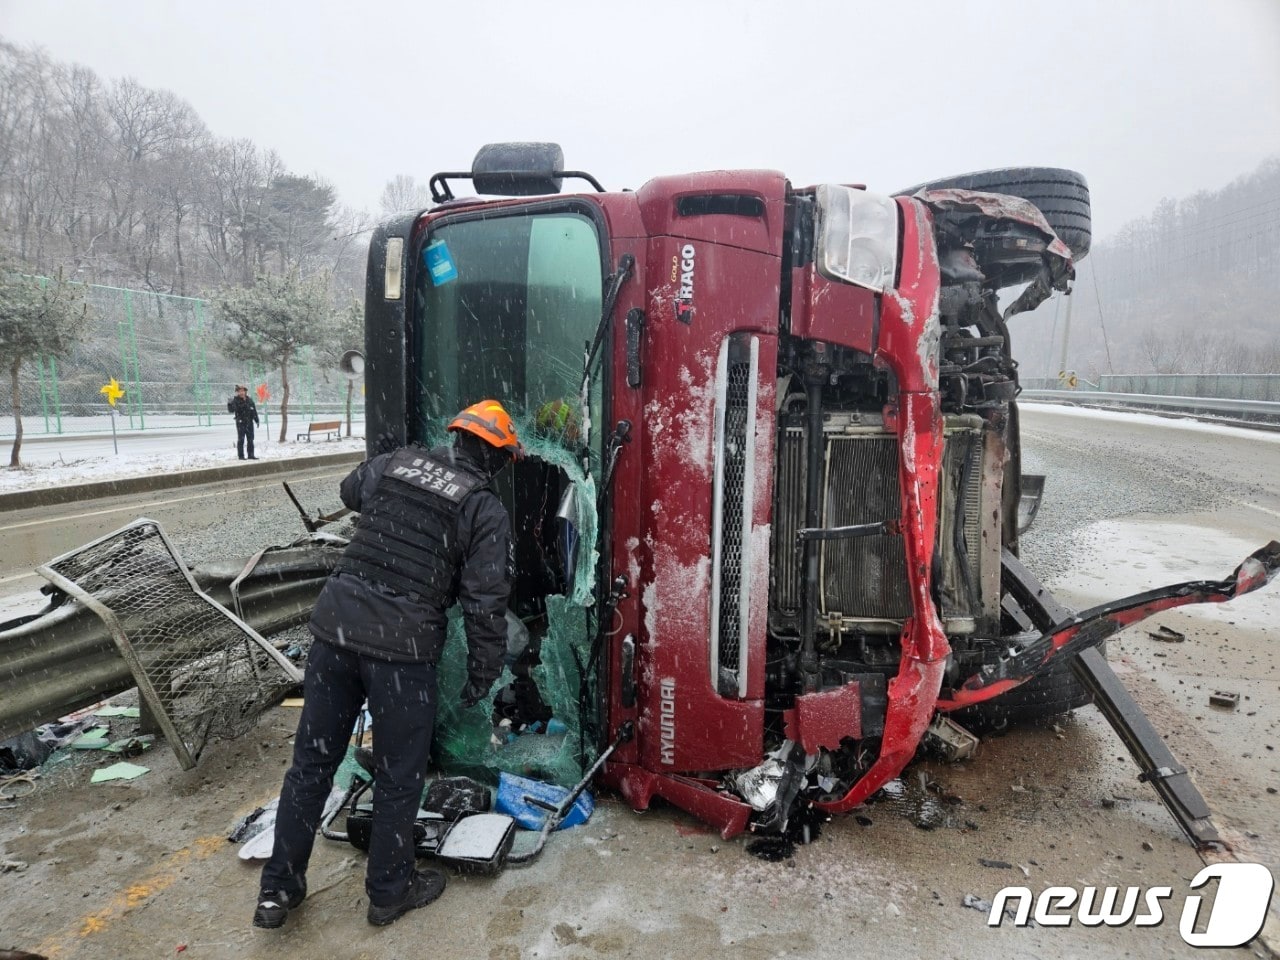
point(732, 507)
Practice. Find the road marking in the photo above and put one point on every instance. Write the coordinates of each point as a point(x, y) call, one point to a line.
point(18, 576)
point(64, 518)
point(166, 874)
point(1260, 509)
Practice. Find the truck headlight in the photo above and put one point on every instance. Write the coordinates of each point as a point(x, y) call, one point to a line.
point(857, 237)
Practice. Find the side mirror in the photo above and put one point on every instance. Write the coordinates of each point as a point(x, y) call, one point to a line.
point(352, 364)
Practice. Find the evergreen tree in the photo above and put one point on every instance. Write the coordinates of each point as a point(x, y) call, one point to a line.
point(274, 319)
point(39, 317)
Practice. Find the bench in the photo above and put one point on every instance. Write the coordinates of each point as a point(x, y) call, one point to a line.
point(332, 429)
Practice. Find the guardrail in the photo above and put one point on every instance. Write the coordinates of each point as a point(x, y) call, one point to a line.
point(1221, 405)
point(63, 658)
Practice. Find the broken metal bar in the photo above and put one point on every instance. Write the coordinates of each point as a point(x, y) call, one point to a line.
point(321, 518)
point(1033, 596)
point(883, 528)
point(1071, 633)
point(1159, 766)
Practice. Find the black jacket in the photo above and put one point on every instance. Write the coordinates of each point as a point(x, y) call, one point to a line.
point(370, 618)
point(244, 409)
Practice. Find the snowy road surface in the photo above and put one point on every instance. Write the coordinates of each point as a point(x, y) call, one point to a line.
point(142, 869)
point(53, 461)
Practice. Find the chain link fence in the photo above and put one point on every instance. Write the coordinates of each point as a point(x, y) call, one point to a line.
point(166, 353)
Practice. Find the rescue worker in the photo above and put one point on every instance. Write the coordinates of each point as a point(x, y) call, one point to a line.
point(246, 414)
point(431, 532)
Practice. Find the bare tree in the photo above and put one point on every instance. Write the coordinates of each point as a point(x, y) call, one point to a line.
point(403, 193)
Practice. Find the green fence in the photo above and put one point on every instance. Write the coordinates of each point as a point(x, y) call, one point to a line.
point(166, 353)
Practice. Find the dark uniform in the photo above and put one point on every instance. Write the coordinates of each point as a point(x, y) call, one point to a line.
point(431, 533)
point(246, 413)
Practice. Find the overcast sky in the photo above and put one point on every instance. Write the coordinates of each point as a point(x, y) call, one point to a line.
point(1148, 98)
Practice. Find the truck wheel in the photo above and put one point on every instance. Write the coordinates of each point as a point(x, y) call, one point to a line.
point(1050, 694)
point(1061, 195)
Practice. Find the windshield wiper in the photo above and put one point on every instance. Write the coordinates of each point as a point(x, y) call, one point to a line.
point(626, 264)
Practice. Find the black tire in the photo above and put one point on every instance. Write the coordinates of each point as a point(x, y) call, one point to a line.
point(1061, 195)
point(1050, 694)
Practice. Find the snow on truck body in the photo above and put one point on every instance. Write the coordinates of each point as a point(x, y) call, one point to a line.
point(798, 407)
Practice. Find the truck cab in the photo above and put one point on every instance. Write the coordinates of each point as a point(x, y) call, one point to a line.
point(786, 417)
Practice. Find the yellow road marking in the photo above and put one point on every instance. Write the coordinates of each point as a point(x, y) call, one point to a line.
point(165, 875)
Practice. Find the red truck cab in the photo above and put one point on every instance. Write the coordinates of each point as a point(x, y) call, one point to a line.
point(794, 409)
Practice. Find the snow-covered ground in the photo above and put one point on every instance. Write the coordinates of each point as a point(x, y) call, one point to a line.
point(1172, 422)
point(85, 458)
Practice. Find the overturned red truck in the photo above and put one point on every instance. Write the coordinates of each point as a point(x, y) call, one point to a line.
point(797, 411)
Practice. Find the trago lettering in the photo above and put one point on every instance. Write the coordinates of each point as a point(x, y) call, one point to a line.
point(684, 292)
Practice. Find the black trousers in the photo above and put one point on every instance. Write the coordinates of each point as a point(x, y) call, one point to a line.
point(244, 431)
point(402, 701)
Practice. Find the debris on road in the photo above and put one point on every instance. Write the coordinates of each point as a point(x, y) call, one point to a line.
point(132, 746)
point(528, 801)
point(18, 786)
point(977, 903)
point(952, 741)
point(258, 831)
point(1224, 698)
point(95, 738)
point(1166, 635)
point(119, 771)
point(13, 866)
point(995, 864)
point(129, 712)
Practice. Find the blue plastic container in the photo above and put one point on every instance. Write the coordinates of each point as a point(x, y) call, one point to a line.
point(513, 790)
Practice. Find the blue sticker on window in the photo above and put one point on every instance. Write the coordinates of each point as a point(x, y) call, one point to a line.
point(439, 263)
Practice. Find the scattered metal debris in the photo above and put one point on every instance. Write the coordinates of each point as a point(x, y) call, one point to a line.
point(995, 864)
point(950, 739)
point(1166, 635)
point(1224, 698)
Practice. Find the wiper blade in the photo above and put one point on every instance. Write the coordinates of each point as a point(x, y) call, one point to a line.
point(626, 264)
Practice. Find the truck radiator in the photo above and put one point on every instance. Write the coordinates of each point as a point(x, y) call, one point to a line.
point(863, 581)
point(733, 496)
point(864, 578)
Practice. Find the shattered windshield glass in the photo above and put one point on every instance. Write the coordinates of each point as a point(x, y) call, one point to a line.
point(503, 309)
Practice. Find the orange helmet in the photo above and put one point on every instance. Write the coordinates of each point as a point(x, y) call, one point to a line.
point(492, 424)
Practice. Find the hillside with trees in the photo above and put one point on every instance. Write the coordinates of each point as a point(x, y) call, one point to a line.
point(1192, 288)
point(116, 183)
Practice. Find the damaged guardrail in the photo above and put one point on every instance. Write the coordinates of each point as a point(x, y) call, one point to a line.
point(62, 658)
point(1221, 405)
